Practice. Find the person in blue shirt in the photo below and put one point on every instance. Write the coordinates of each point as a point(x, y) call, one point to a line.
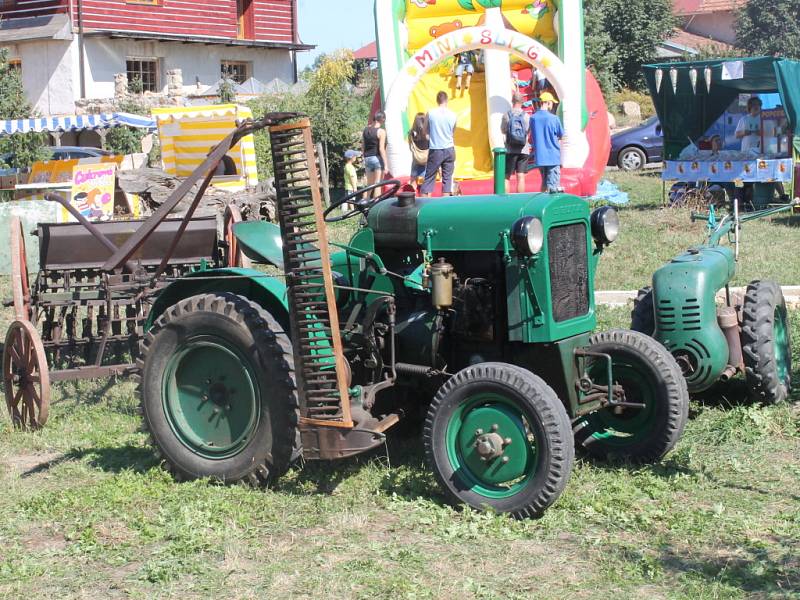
point(546, 135)
point(441, 147)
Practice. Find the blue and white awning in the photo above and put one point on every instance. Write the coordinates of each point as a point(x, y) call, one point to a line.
point(75, 122)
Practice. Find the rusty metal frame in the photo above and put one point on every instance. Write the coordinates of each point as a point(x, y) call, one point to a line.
point(120, 256)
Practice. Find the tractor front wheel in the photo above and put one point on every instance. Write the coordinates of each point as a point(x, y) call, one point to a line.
point(648, 375)
point(218, 393)
point(497, 437)
point(766, 343)
point(643, 317)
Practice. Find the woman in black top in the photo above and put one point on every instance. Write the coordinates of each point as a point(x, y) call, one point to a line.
point(373, 143)
point(419, 142)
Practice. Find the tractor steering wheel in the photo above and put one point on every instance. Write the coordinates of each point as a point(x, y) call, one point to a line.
point(363, 207)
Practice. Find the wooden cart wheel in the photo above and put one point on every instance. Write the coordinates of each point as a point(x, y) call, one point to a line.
point(20, 285)
point(234, 256)
point(25, 376)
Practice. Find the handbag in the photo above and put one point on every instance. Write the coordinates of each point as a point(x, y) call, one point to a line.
point(420, 156)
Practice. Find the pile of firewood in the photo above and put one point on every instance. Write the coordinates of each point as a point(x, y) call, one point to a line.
point(154, 186)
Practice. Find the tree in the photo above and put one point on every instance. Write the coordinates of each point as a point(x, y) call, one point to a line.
point(337, 114)
point(769, 27)
point(127, 140)
point(26, 148)
point(601, 53)
point(227, 91)
point(623, 34)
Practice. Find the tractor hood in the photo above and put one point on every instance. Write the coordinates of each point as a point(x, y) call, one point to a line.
point(468, 223)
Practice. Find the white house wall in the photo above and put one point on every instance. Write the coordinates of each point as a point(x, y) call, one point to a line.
point(49, 74)
point(198, 62)
point(50, 68)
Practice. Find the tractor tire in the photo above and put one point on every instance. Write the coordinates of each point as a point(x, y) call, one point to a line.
point(218, 391)
point(649, 375)
point(643, 317)
point(766, 343)
point(497, 437)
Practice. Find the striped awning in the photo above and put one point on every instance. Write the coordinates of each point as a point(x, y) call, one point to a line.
point(74, 123)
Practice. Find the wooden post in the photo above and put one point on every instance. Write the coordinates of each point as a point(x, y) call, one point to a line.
point(323, 174)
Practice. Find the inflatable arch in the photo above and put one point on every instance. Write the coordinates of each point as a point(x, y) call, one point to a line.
point(494, 39)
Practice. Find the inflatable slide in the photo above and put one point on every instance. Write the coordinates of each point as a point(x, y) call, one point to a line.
point(516, 41)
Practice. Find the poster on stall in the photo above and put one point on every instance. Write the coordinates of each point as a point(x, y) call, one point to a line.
point(93, 191)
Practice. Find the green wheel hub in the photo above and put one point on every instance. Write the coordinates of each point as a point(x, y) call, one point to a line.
point(624, 426)
point(490, 446)
point(211, 397)
point(780, 340)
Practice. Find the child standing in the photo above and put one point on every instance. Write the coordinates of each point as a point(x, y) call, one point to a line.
point(350, 174)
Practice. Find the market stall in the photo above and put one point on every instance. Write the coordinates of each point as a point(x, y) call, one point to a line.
point(720, 125)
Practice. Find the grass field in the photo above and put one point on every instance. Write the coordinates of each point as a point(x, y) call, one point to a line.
point(88, 512)
point(651, 235)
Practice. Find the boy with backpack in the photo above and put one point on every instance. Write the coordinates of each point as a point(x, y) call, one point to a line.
point(516, 126)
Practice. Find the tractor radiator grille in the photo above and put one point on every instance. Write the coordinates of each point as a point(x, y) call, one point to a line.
point(321, 386)
point(569, 271)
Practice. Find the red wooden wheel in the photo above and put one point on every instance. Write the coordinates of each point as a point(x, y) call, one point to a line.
point(234, 256)
point(25, 376)
point(20, 285)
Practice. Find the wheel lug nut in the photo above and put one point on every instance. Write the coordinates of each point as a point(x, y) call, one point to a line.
point(227, 407)
point(505, 460)
point(216, 411)
point(506, 441)
point(495, 427)
point(479, 432)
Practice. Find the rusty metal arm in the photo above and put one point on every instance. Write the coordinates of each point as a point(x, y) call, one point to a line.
point(90, 227)
point(206, 170)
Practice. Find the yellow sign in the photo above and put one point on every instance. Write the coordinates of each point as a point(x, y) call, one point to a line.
point(93, 190)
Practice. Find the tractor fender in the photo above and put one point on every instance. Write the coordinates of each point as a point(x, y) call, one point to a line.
point(684, 293)
point(267, 291)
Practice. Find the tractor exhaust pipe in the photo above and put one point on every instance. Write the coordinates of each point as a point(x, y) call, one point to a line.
point(729, 323)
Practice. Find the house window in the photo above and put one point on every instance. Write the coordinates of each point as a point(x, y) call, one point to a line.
point(15, 64)
point(238, 71)
point(142, 74)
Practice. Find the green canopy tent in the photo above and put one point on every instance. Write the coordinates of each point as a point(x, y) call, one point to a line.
point(687, 112)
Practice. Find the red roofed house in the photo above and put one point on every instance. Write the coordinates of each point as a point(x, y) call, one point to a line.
point(147, 40)
point(710, 19)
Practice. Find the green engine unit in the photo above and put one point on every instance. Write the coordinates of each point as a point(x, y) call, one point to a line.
point(684, 292)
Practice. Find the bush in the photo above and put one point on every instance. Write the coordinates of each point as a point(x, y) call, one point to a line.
point(337, 114)
point(616, 99)
point(26, 148)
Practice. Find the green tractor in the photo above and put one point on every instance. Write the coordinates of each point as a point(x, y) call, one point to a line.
point(473, 316)
point(714, 343)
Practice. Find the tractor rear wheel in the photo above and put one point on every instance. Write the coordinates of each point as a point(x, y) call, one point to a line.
point(648, 375)
point(642, 316)
point(218, 393)
point(766, 343)
point(497, 436)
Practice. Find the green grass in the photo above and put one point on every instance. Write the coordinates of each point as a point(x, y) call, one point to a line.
point(651, 235)
point(88, 511)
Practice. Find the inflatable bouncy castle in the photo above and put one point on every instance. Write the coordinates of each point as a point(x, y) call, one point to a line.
point(518, 42)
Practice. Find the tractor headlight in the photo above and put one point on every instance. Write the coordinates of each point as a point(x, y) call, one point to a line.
point(605, 225)
point(527, 235)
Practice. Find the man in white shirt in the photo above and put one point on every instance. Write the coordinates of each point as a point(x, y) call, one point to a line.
point(442, 151)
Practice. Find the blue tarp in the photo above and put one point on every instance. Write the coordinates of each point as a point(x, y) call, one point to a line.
point(609, 192)
point(75, 122)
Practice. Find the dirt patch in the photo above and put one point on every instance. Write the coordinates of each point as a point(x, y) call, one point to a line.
point(42, 539)
point(112, 533)
point(26, 464)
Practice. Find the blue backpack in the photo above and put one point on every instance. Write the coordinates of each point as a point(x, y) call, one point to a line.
point(517, 132)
